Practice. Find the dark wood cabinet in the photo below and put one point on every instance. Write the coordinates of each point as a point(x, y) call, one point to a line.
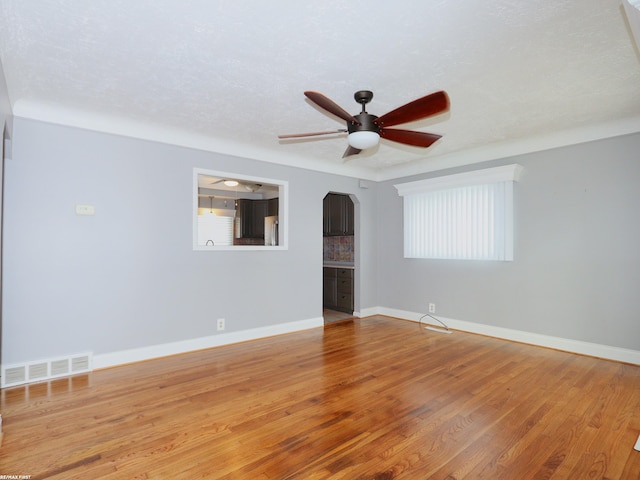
point(244, 215)
point(330, 287)
point(338, 215)
point(273, 206)
point(338, 289)
point(260, 208)
point(345, 290)
point(251, 215)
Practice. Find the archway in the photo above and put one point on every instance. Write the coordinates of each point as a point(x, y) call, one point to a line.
point(340, 256)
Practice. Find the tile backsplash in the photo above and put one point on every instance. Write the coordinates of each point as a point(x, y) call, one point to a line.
point(338, 249)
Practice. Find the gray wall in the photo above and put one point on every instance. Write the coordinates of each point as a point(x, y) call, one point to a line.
point(128, 277)
point(6, 125)
point(6, 117)
point(576, 272)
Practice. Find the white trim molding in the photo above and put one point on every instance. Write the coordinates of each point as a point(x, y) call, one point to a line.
point(558, 343)
point(506, 173)
point(283, 209)
point(122, 357)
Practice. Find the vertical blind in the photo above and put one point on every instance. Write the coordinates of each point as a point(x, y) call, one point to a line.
point(463, 223)
point(214, 229)
point(466, 216)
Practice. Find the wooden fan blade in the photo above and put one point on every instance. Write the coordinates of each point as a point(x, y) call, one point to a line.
point(313, 134)
point(431, 104)
point(409, 137)
point(351, 151)
point(330, 106)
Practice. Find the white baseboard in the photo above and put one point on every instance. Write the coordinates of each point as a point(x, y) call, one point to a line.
point(367, 312)
point(122, 357)
point(558, 343)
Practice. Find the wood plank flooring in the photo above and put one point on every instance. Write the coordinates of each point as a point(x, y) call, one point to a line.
point(374, 398)
point(334, 316)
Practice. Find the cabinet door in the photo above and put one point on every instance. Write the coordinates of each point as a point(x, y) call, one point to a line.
point(243, 213)
point(345, 289)
point(329, 288)
point(345, 285)
point(251, 214)
point(348, 216)
point(273, 207)
point(330, 293)
point(345, 302)
point(326, 214)
point(260, 210)
point(336, 215)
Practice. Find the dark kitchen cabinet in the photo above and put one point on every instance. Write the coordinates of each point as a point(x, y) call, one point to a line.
point(260, 209)
point(251, 215)
point(330, 287)
point(272, 207)
point(244, 214)
point(338, 289)
point(338, 215)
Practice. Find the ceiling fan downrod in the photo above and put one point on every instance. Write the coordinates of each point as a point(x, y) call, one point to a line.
point(363, 97)
point(365, 119)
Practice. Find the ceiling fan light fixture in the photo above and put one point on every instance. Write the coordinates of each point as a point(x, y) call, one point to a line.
point(363, 139)
point(366, 129)
point(231, 183)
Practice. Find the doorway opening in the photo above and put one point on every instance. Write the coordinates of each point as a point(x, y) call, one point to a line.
point(338, 256)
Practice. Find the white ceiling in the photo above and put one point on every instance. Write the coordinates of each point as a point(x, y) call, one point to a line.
point(229, 75)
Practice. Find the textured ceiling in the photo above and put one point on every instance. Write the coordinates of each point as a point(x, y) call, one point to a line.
point(229, 76)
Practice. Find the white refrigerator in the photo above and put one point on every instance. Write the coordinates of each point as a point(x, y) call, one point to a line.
point(271, 230)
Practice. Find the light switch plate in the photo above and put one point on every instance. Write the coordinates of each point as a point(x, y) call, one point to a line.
point(85, 210)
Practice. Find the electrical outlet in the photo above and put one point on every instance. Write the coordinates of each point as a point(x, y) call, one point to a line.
point(220, 324)
point(432, 308)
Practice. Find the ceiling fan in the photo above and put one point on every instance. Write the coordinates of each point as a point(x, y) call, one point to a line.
point(365, 129)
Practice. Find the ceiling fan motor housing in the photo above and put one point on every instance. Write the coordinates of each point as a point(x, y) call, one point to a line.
point(366, 124)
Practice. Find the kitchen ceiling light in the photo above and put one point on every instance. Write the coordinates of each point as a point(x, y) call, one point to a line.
point(363, 139)
point(231, 183)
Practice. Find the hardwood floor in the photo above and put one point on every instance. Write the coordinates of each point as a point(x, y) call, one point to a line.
point(335, 316)
point(372, 398)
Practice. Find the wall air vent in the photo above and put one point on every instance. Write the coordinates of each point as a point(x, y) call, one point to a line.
point(80, 364)
point(14, 375)
point(38, 371)
point(60, 367)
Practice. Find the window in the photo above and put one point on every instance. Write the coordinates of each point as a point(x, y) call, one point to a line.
point(463, 216)
point(232, 211)
point(214, 229)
